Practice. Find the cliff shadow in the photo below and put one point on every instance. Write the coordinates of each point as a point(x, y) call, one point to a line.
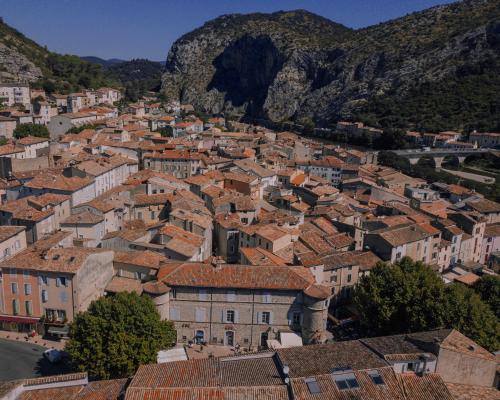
point(245, 70)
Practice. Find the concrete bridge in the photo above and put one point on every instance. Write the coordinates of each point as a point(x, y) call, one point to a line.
point(438, 155)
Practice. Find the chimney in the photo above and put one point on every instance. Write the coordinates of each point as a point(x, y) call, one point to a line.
point(425, 358)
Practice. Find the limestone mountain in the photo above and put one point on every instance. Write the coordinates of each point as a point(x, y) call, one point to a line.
point(298, 66)
point(23, 60)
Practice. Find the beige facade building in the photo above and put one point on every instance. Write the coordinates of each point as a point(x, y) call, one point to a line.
point(242, 305)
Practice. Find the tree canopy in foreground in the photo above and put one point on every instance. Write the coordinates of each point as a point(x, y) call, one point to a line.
point(409, 297)
point(116, 335)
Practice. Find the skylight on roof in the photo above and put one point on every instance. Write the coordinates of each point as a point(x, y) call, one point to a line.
point(312, 385)
point(345, 381)
point(376, 377)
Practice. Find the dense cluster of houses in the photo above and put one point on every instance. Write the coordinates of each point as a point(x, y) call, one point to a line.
point(239, 234)
point(433, 365)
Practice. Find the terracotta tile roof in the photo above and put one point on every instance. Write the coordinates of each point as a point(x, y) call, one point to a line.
point(323, 358)
point(259, 370)
point(6, 232)
point(427, 387)
point(237, 276)
point(29, 140)
point(458, 342)
point(59, 182)
point(397, 236)
point(10, 148)
point(67, 260)
point(152, 199)
point(492, 230)
point(409, 344)
point(196, 218)
point(250, 166)
point(368, 390)
point(121, 284)
point(85, 217)
point(468, 279)
point(98, 390)
point(22, 210)
point(364, 259)
point(126, 234)
point(484, 206)
point(210, 393)
point(240, 177)
point(155, 288)
point(470, 392)
point(271, 232)
point(320, 292)
point(258, 256)
point(146, 259)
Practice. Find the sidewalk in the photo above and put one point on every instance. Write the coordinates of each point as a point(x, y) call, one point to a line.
point(22, 337)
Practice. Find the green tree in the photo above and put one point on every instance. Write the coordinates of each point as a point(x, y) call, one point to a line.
point(3, 141)
point(401, 297)
point(24, 130)
point(488, 288)
point(409, 297)
point(78, 129)
point(116, 335)
point(467, 313)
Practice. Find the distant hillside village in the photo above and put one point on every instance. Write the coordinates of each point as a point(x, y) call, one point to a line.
point(250, 240)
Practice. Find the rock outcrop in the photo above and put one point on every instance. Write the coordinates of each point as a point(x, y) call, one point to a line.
point(296, 65)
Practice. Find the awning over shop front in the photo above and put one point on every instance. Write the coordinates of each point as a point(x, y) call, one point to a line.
point(18, 320)
point(59, 330)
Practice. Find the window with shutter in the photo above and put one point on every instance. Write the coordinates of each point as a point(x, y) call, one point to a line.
point(200, 315)
point(175, 314)
point(29, 307)
point(15, 307)
point(45, 296)
point(230, 316)
point(266, 297)
point(203, 295)
point(27, 289)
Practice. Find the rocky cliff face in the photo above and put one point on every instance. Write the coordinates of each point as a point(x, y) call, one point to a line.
point(293, 65)
point(16, 53)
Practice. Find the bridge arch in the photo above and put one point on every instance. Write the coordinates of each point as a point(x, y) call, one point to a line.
point(451, 160)
point(427, 160)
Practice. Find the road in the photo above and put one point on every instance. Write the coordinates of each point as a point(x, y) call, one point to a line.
point(24, 360)
point(468, 175)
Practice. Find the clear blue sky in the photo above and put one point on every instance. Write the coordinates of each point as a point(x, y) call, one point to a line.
point(147, 28)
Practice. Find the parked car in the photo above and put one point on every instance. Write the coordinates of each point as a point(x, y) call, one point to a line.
point(53, 355)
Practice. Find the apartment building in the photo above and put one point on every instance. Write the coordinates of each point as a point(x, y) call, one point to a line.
point(41, 215)
point(474, 225)
point(7, 126)
point(106, 173)
point(181, 164)
point(243, 305)
point(418, 241)
point(328, 167)
point(80, 190)
point(12, 241)
point(15, 93)
point(51, 282)
point(485, 139)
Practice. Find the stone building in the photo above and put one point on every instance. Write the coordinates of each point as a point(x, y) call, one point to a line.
point(242, 305)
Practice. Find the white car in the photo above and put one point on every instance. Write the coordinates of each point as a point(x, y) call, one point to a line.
point(53, 355)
